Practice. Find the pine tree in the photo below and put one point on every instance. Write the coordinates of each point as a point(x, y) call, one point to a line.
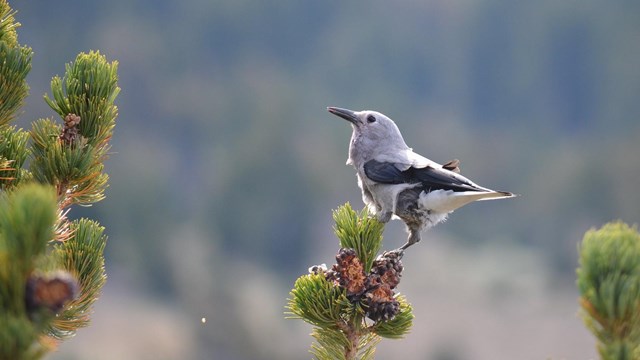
point(51, 268)
point(354, 304)
point(609, 284)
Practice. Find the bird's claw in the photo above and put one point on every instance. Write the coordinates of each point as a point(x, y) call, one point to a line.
point(399, 253)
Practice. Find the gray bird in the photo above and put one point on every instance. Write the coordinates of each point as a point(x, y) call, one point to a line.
point(395, 181)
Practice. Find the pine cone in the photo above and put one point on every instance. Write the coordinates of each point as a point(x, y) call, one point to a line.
point(350, 273)
point(51, 291)
point(381, 305)
point(389, 268)
point(318, 269)
point(332, 276)
point(70, 129)
point(329, 274)
point(374, 289)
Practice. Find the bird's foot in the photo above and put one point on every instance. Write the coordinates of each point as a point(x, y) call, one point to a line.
point(399, 253)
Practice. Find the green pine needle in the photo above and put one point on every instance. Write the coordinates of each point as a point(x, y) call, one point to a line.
point(27, 217)
point(75, 170)
point(81, 255)
point(360, 232)
point(18, 338)
point(609, 283)
point(8, 24)
point(331, 345)
point(400, 325)
point(15, 64)
point(13, 149)
point(88, 89)
point(317, 301)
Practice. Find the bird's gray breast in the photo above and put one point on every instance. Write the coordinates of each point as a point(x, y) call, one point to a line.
point(354, 151)
point(367, 196)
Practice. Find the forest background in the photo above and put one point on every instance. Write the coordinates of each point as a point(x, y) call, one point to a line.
point(226, 165)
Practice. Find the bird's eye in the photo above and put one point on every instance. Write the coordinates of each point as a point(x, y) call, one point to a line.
point(371, 118)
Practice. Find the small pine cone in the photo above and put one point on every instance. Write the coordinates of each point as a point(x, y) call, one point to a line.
point(318, 269)
point(350, 273)
point(331, 275)
point(372, 282)
point(381, 306)
point(70, 129)
point(71, 120)
point(51, 291)
point(389, 268)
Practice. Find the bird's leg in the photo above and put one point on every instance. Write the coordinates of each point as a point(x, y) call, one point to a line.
point(384, 216)
point(414, 237)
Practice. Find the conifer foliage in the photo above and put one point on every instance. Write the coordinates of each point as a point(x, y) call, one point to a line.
point(353, 304)
point(609, 284)
point(51, 268)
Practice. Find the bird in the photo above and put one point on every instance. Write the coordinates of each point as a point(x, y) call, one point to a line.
point(397, 183)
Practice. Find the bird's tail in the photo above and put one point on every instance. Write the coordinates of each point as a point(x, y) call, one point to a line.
point(446, 201)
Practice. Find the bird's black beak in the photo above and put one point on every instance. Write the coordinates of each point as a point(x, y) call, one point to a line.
point(346, 114)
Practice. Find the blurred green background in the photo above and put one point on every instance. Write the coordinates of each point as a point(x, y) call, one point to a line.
point(226, 165)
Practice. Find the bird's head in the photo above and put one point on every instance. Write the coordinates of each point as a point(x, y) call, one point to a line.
point(376, 131)
point(374, 134)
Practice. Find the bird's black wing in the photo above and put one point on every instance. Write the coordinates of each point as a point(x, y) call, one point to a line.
point(385, 173)
point(431, 178)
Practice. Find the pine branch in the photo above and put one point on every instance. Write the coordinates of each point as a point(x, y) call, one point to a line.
point(88, 90)
point(353, 304)
point(51, 270)
point(26, 221)
point(13, 150)
point(14, 67)
point(609, 284)
point(318, 302)
point(27, 216)
point(345, 344)
point(15, 64)
point(81, 255)
point(13, 86)
point(8, 25)
point(71, 156)
point(75, 170)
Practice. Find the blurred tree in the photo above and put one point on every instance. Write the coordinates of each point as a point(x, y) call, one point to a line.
point(609, 284)
point(339, 300)
point(51, 269)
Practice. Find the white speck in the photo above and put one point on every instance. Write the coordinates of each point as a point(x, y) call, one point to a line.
point(203, 320)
